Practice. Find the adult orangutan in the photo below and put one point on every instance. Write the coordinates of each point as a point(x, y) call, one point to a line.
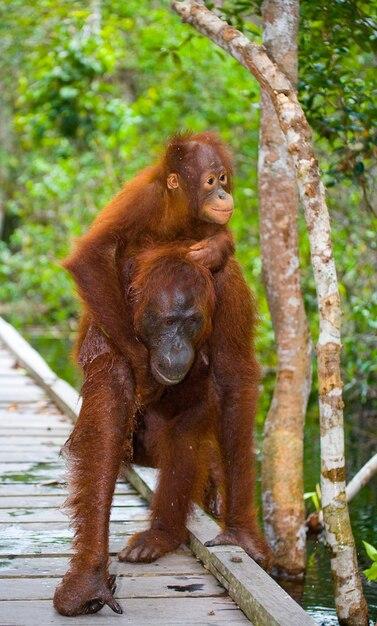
point(197, 330)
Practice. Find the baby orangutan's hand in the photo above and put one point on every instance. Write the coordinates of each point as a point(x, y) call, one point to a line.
point(213, 252)
point(207, 253)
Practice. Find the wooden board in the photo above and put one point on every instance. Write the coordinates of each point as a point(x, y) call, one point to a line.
point(34, 430)
point(48, 488)
point(39, 455)
point(55, 539)
point(260, 597)
point(51, 515)
point(16, 380)
point(137, 612)
point(179, 563)
point(31, 472)
point(21, 441)
point(35, 412)
point(196, 585)
point(20, 393)
point(53, 502)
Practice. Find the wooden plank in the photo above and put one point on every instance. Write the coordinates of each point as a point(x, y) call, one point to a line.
point(53, 515)
point(13, 375)
point(22, 351)
point(40, 455)
point(38, 408)
point(180, 562)
point(25, 393)
point(7, 362)
point(55, 501)
point(34, 430)
point(256, 593)
point(31, 472)
point(18, 528)
point(15, 378)
point(62, 393)
point(197, 585)
point(31, 412)
point(11, 420)
point(50, 488)
point(41, 539)
point(15, 442)
point(137, 612)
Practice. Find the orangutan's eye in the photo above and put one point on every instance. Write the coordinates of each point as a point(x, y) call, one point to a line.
point(195, 321)
point(210, 180)
point(222, 178)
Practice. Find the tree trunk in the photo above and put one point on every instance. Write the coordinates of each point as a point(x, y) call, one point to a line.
point(350, 602)
point(282, 469)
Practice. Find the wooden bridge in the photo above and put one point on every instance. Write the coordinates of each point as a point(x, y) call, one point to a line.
point(200, 585)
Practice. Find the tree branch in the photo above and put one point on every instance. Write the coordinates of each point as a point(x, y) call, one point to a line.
point(363, 476)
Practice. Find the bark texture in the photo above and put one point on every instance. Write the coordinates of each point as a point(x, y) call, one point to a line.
point(283, 448)
point(363, 476)
point(350, 602)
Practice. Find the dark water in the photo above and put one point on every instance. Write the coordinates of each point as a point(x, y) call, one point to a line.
point(361, 438)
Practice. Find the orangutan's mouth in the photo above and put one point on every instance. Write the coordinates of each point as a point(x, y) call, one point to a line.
point(164, 380)
point(222, 210)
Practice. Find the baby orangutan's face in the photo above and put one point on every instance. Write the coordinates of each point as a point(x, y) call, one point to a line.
point(206, 183)
point(217, 204)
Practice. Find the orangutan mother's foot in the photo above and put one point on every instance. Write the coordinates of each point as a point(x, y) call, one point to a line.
point(148, 546)
point(252, 543)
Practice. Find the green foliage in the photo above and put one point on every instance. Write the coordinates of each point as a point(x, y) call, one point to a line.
point(337, 84)
point(86, 103)
point(315, 497)
point(371, 572)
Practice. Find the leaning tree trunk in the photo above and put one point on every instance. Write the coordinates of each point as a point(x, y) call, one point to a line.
point(350, 602)
point(283, 465)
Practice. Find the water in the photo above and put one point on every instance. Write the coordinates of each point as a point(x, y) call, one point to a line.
point(315, 594)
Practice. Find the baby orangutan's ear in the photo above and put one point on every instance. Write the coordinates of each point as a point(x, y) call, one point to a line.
point(172, 181)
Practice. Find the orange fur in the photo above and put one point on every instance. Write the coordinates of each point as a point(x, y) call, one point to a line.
point(144, 211)
point(130, 252)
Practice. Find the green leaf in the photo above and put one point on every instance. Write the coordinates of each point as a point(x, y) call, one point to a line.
point(371, 572)
point(371, 551)
point(309, 494)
